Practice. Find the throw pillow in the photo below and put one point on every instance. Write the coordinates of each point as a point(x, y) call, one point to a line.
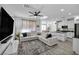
point(24, 34)
point(49, 36)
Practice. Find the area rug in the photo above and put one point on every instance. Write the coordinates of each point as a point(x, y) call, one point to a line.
point(34, 47)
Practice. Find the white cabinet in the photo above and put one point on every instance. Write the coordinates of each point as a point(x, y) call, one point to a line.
point(70, 34)
point(4, 46)
point(8, 50)
point(61, 36)
point(12, 48)
point(76, 45)
point(15, 47)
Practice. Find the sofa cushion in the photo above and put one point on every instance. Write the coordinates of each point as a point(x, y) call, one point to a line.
point(38, 33)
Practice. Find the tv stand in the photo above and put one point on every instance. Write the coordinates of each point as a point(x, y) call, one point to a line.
point(10, 47)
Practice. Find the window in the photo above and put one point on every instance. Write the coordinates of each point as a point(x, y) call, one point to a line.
point(43, 27)
point(29, 25)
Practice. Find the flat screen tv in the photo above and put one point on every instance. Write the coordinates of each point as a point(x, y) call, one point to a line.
point(6, 24)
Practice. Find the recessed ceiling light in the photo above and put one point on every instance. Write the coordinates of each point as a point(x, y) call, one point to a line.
point(77, 17)
point(62, 10)
point(69, 13)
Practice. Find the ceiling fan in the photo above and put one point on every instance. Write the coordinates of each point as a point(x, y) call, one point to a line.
point(36, 13)
point(33, 11)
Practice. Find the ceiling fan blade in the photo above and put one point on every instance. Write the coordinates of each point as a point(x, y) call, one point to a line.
point(31, 12)
point(40, 15)
point(38, 12)
point(31, 15)
point(30, 7)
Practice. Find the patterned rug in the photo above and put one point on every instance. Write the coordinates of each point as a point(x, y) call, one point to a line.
point(34, 47)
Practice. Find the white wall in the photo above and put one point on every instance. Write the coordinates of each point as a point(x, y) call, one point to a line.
point(53, 26)
point(18, 24)
point(50, 24)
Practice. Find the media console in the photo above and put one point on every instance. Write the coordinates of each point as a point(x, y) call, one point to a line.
point(10, 47)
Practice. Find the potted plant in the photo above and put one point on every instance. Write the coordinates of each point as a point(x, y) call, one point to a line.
point(18, 36)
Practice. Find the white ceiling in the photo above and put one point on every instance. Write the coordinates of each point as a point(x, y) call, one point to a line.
point(50, 10)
